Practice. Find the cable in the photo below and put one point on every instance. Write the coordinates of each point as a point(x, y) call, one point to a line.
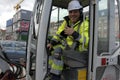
point(17, 65)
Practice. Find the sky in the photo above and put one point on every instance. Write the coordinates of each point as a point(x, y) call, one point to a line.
point(7, 9)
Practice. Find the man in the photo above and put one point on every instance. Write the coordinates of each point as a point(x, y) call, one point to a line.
point(73, 29)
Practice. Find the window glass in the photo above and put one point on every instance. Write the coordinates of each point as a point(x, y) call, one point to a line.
point(37, 16)
point(117, 27)
point(56, 19)
point(102, 26)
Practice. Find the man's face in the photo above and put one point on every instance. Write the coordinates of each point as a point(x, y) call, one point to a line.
point(74, 15)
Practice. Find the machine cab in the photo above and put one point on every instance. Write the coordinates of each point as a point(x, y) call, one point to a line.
point(104, 34)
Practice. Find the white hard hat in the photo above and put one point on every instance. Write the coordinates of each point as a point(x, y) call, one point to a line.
point(74, 4)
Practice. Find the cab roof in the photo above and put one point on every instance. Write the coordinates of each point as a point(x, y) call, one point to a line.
point(63, 3)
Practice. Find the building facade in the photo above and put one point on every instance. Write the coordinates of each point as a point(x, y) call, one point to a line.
point(21, 23)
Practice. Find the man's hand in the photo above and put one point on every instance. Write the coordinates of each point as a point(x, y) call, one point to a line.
point(69, 31)
point(49, 46)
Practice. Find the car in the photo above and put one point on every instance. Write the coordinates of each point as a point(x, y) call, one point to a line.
point(14, 50)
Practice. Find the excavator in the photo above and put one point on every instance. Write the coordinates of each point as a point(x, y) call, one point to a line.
point(103, 52)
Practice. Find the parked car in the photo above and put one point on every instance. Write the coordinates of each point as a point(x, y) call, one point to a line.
point(13, 50)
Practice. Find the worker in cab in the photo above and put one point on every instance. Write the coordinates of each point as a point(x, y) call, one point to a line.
point(73, 33)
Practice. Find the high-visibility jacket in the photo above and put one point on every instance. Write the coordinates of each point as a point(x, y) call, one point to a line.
point(82, 37)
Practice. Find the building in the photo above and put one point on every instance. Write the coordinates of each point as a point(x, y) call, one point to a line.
point(9, 29)
point(21, 23)
point(2, 34)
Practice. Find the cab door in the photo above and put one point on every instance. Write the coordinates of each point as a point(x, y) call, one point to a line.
point(103, 52)
point(36, 50)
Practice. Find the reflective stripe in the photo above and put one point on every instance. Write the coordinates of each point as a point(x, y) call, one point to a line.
point(57, 72)
point(57, 66)
point(78, 37)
